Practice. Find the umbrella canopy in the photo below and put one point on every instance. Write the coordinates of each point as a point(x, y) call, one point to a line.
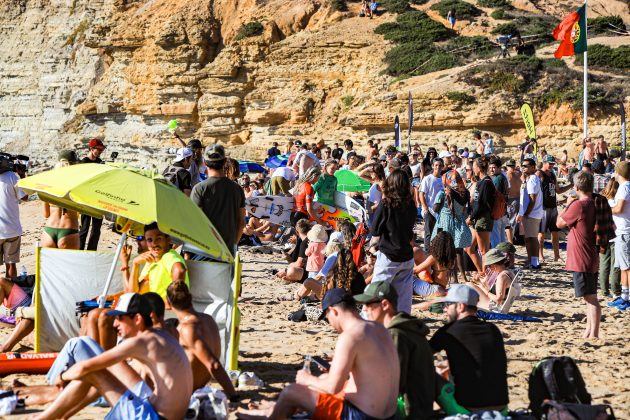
point(277, 161)
point(349, 181)
point(128, 192)
point(249, 166)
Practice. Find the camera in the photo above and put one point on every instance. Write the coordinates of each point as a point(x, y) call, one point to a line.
point(13, 163)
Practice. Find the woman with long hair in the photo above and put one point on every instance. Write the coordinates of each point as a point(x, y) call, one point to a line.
point(305, 197)
point(427, 163)
point(393, 225)
point(433, 271)
point(609, 275)
point(62, 225)
point(375, 174)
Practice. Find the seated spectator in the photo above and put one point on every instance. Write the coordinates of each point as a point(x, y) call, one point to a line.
point(494, 288)
point(13, 297)
point(296, 271)
point(317, 238)
point(432, 270)
point(475, 352)
point(417, 375)
point(264, 230)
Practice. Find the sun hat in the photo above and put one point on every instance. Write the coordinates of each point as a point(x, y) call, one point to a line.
point(334, 297)
point(96, 144)
point(623, 169)
point(510, 162)
point(182, 153)
point(69, 155)
point(317, 234)
point(445, 153)
point(506, 248)
point(549, 159)
point(493, 256)
point(214, 152)
point(376, 292)
point(461, 293)
point(131, 303)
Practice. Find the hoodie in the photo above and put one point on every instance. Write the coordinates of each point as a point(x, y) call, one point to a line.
point(417, 373)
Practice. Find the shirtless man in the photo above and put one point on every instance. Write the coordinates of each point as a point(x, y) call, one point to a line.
point(199, 336)
point(158, 356)
point(514, 192)
point(363, 377)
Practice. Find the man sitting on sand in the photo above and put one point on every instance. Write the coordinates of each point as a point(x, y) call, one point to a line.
point(158, 355)
point(417, 374)
point(363, 379)
point(475, 352)
point(199, 336)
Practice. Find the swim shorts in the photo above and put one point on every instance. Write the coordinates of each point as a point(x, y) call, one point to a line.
point(622, 251)
point(585, 284)
point(330, 407)
point(130, 406)
point(548, 221)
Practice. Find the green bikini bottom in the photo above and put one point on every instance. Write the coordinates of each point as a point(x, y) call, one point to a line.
point(59, 233)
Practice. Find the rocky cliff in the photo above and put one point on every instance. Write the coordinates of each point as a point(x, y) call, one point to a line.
point(121, 69)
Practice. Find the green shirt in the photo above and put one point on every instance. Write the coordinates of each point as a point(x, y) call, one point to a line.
point(325, 189)
point(159, 273)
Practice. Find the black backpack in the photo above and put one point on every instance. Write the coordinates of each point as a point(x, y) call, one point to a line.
point(558, 379)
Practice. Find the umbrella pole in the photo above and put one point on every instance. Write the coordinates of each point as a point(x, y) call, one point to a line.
point(110, 276)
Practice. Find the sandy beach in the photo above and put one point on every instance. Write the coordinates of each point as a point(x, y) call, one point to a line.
point(273, 347)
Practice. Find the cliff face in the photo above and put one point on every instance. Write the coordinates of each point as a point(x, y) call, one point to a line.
point(121, 69)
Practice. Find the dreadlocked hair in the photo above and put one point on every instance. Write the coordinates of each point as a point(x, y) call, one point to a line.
point(442, 248)
point(309, 176)
point(397, 190)
point(342, 274)
point(348, 230)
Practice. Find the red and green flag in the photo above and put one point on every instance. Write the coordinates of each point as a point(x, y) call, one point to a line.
point(571, 33)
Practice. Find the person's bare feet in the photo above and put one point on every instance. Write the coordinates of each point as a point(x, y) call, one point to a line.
point(261, 410)
point(16, 383)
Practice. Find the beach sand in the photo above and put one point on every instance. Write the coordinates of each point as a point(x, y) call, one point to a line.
point(273, 347)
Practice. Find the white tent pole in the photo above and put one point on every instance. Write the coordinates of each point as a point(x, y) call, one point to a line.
point(585, 105)
point(110, 276)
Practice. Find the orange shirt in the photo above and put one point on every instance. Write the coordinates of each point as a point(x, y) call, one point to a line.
point(306, 195)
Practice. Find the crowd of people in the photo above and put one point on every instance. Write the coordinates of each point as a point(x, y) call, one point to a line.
point(440, 226)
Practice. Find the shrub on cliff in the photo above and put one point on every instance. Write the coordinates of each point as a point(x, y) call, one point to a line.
point(528, 25)
point(495, 3)
point(396, 6)
point(414, 27)
point(460, 97)
point(602, 25)
point(465, 11)
point(339, 5)
point(501, 14)
point(604, 56)
point(413, 59)
point(253, 28)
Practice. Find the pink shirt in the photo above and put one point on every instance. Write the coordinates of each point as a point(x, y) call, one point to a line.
point(315, 254)
point(16, 296)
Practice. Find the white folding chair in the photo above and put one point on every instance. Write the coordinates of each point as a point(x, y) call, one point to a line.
point(513, 293)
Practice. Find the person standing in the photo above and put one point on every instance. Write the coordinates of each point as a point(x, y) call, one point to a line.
point(273, 150)
point(10, 226)
point(221, 199)
point(326, 186)
point(501, 184)
point(349, 148)
point(488, 145)
point(582, 253)
point(549, 186)
point(530, 211)
point(452, 18)
point(621, 216)
point(281, 180)
point(514, 184)
point(96, 148)
point(483, 201)
point(429, 188)
point(393, 224)
point(600, 178)
point(178, 172)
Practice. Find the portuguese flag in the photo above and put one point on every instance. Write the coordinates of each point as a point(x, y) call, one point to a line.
point(571, 33)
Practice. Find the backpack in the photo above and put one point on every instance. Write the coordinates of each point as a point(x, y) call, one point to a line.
point(499, 208)
point(558, 379)
point(358, 244)
point(170, 173)
point(567, 411)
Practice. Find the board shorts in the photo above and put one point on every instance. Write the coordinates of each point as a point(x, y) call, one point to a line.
point(622, 251)
point(513, 206)
point(336, 407)
point(548, 221)
point(10, 250)
point(484, 224)
point(130, 406)
point(425, 289)
point(530, 227)
point(584, 284)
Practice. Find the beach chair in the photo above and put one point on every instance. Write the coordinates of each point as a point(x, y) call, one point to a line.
point(513, 293)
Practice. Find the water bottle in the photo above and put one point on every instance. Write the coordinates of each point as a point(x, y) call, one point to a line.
point(23, 272)
point(307, 363)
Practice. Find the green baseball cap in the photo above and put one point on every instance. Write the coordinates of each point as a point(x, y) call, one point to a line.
point(549, 159)
point(376, 292)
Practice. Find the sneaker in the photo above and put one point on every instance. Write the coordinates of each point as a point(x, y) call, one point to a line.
point(615, 303)
point(249, 379)
point(623, 306)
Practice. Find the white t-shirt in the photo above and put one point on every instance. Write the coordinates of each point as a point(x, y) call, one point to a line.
point(532, 186)
point(374, 194)
point(284, 172)
point(10, 196)
point(431, 185)
point(415, 169)
point(622, 220)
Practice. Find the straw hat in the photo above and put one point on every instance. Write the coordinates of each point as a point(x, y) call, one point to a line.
point(317, 234)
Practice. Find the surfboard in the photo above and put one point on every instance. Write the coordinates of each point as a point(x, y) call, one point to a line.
point(277, 209)
point(350, 206)
point(31, 363)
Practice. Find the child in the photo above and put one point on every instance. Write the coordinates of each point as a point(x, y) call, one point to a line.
point(317, 237)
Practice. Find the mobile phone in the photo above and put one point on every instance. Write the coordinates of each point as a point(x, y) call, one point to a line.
point(322, 364)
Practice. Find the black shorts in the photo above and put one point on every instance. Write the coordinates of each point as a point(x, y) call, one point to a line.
point(548, 221)
point(585, 284)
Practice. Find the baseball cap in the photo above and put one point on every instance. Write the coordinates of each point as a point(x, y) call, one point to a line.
point(445, 153)
point(131, 303)
point(376, 292)
point(597, 165)
point(195, 144)
point(182, 154)
point(510, 162)
point(383, 158)
point(96, 144)
point(465, 154)
point(549, 159)
point(297, 143)
point(334, 297)
point(506, 248)
point(214, 152)
point(336, 237)
point(461, 293)
point(69, 155)
point(493, 256)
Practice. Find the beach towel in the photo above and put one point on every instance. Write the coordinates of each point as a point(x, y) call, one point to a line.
point(494, 316)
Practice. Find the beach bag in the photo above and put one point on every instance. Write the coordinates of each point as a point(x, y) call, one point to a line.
point(558, 379)
point(499, 209)
point(554, 410)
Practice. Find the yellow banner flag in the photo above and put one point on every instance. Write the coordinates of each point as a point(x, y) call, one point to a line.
point(528, 119)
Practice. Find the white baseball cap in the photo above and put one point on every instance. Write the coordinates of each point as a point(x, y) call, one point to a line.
point(182, 154)
point(445, 153)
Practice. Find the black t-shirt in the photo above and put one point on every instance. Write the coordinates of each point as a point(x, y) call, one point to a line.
point(88, 160)
point(273, 151)
point(477, 360)
point(548, 186)
point(395, 229)
point(221, 199)
point(483, 199)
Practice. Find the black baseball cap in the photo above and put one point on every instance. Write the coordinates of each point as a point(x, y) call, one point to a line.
point(334, 297)
point(132, 303)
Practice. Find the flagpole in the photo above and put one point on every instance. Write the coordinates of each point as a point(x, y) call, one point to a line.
point(585, 105)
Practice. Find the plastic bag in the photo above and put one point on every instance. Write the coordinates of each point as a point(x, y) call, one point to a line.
point(8, 402)
point(208, 403)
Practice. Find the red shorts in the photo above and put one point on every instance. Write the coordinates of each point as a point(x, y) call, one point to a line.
point(329, 407)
